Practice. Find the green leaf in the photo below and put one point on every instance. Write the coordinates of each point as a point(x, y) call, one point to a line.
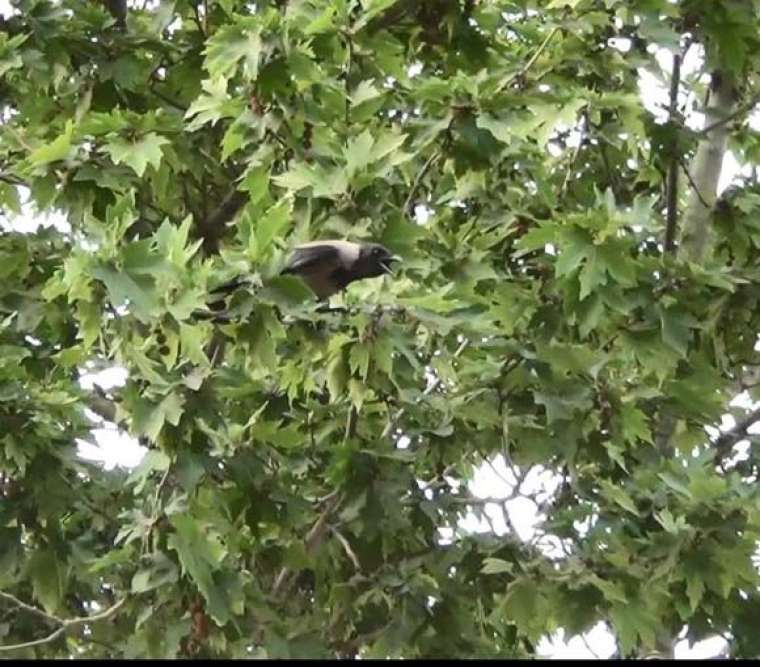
point(357, 390)
point(619, 497)
point(358, 153)
point(48, 578)
point(137, 154)
point(336, 377)
point(632, 622)
point(670, 524)
point(523, 604)
point(213, 105)
point(386, 144)
point(358, 360)
point(200, 553)
point(193, 339)
point(365, 91)
point(329, 184)
point(55, 151)
point(231, 44)
point(635, 424)
point(148, 418)
point(154, 461)
point(675, 329)
point(695, 589)
point(159, 571)
point(496, 566)
point(270, 225)
point(593, 274)
point(675, 484)
point(136, 291)
point(612, 591)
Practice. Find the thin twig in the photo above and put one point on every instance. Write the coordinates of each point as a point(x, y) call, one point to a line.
point(346, 547)
point(576, 152)
point(351, 422)
point(611, 175)
point(160, 488)
point(672, 176)
point(167, 99)
point(586, 642)
point(32, 610)
point(312, 540)
point(746, 108)
point(692, 183)
point(17, 136)
point(524, 70)
point(64, 623)
point(425, 168)
point(198, 21)
point(349, 61)
point(11, 180)
point(37, 642)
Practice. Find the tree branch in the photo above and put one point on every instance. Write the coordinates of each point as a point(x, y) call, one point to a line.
point(64, 624)
point(672, 176)
point(32, 610)
point(743, 109)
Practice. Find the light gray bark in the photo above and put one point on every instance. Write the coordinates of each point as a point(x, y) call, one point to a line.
point(706, 168)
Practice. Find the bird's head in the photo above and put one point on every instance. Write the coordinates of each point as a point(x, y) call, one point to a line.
point(374, 260)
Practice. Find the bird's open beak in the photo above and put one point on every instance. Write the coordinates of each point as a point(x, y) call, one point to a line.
point(386, 263)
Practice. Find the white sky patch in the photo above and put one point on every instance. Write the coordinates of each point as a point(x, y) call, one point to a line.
point(422, 214)
point(106, 379)
point(707, 648)
point(414, 70)
point(622, 44)
point(112, 447)
point(598, 643)
point(30, 220)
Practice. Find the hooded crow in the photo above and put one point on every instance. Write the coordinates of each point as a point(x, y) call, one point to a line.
point(328, 267)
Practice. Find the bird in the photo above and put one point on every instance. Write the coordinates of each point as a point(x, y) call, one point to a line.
point(329, 266)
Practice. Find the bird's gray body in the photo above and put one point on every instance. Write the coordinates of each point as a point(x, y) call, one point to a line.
point(327, 267)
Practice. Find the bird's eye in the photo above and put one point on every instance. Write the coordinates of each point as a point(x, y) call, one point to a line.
point(376, 252)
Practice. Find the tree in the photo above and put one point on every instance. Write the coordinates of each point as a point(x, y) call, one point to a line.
point(577, 301)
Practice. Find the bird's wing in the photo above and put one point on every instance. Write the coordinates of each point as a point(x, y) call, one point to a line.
point(326, 256)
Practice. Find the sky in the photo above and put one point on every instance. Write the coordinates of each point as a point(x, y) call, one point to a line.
point(113, 447)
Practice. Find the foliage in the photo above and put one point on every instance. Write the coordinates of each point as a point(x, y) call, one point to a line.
point(307, 471)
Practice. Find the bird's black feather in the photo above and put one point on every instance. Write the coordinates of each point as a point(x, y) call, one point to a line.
point(307, 257)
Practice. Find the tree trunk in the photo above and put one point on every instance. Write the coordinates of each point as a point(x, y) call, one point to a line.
point(706, 167)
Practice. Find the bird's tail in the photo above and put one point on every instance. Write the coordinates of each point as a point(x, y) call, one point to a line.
point(231, 285)
point(216, 306)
